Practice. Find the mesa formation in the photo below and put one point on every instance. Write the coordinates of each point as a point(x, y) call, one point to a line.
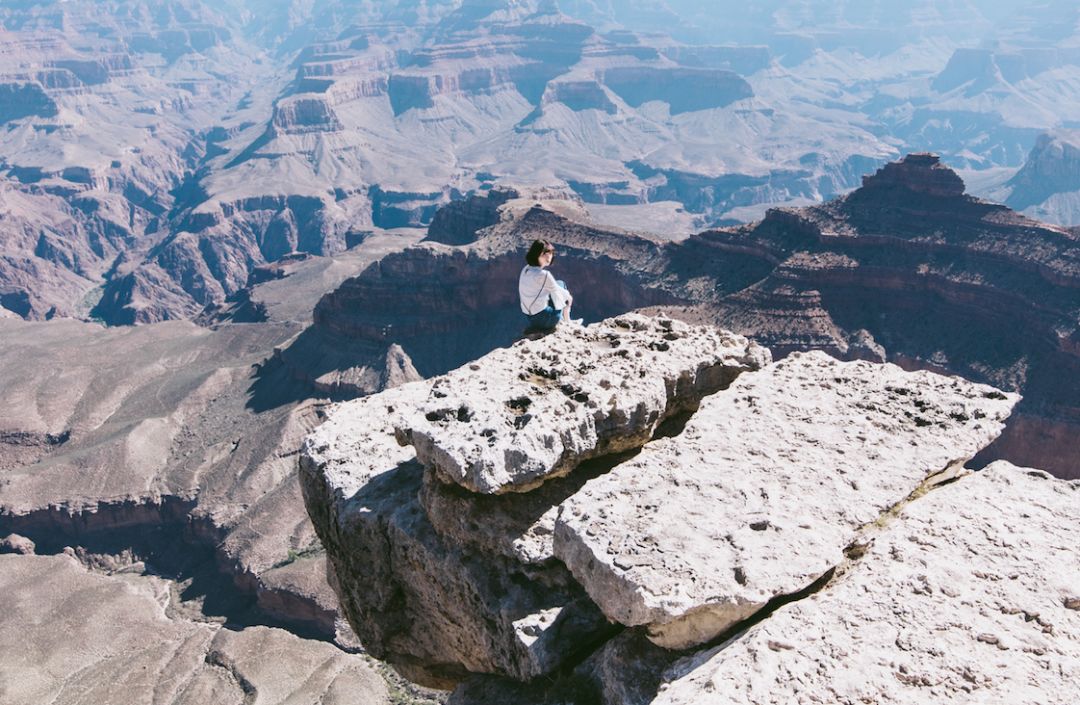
point(274, 430)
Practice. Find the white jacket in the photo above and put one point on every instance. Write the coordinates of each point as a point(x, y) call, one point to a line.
point(535, 285)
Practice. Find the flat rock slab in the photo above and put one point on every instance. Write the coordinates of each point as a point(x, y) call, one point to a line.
point(437, 609)
point(764, 489)
point(972, 595)
point(72, 636)
point(525, 414)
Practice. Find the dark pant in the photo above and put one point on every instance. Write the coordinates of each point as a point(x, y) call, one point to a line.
point(549, 317)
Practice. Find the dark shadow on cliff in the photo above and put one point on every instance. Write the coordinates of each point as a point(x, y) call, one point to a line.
point(154, 540)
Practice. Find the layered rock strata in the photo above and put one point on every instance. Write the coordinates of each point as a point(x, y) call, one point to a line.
point(686, 538)
point(435, 607)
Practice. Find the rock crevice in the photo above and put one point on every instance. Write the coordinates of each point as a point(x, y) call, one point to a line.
point(458, 568)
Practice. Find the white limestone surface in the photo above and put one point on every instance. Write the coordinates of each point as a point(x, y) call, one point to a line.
point(764, 489)
point(972, 595)
point(525, 414)
point(435, 608)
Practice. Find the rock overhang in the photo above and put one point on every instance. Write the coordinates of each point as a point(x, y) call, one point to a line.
point(537, 410)
point(779, 431)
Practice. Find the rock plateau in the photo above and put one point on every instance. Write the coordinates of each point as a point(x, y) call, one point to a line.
point(740, 540)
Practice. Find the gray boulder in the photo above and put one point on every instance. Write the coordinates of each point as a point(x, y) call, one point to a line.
point(764, 489)
point(540, 408)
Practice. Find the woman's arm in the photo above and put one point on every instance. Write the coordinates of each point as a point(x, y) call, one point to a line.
point(560, 297)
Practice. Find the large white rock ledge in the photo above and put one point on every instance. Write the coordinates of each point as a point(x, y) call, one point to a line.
point(765, 488)
point(972, 595)
point(534, 411)
point(435, 608)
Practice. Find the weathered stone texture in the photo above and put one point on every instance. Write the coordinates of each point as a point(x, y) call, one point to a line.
point(435, 609)
point(542, 407)
point(443, 581)
point(770, 489)
point(971, 595)
point(764, 489)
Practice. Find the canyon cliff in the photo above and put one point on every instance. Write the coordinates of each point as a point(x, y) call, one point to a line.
point(151, 161)
point(906, 268)
point(646, 511)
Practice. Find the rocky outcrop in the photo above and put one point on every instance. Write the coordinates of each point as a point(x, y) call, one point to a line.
point(792, 503)
point(766, 491)
point(580, 95)
point(961, 596)
point(1052, 167)
point(19, 100)
point(921, 174)
point(583, 394)
point(460, 222)
point(973, 68)
point(432, 606)
point(305, 114)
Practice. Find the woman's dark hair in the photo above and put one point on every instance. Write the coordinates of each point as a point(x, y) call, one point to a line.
point(535, 250)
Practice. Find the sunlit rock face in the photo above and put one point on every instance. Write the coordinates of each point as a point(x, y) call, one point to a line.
point(440, 608)
point(806, 489)
point(934, 564)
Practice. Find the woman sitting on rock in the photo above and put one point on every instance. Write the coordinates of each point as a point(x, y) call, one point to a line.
point(544, 300)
